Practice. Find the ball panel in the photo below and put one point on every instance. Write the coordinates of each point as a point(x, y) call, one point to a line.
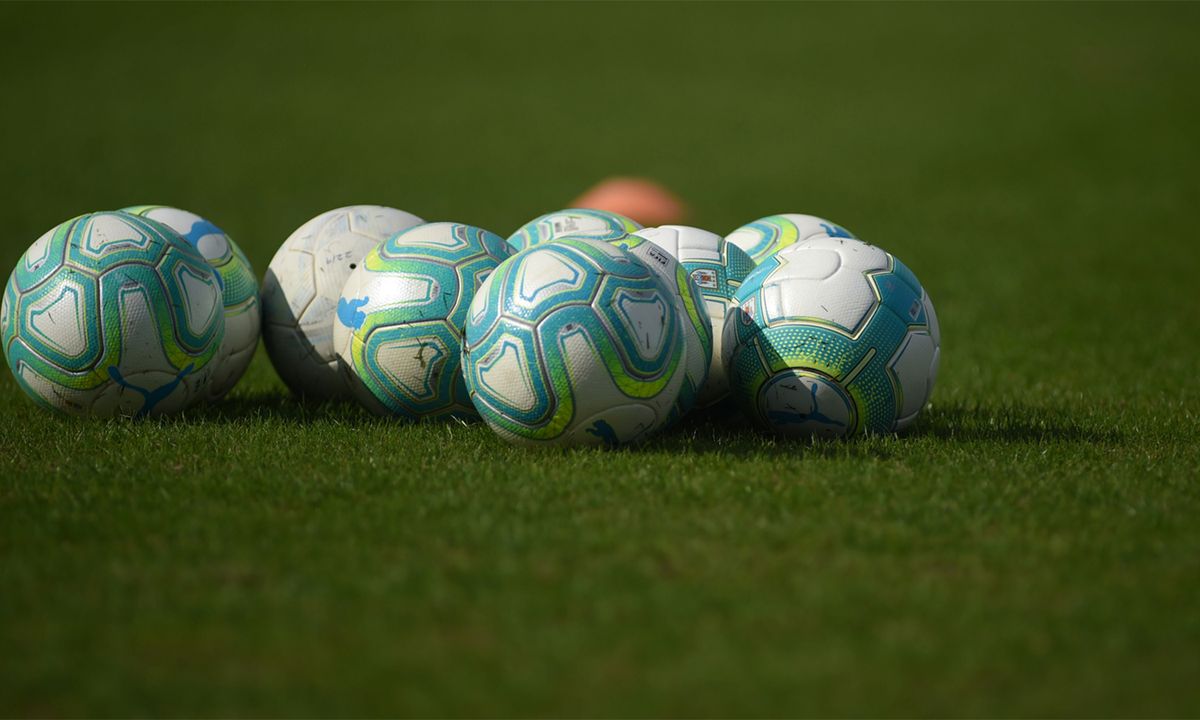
point(199, 294)
point(103, 240)
point(43, 257)
point(910, 367)
point(49, 392)
point(509, 378)
point(413, 370)
point(61, 321)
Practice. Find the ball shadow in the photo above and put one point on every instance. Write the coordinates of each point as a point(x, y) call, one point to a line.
point(723, 430)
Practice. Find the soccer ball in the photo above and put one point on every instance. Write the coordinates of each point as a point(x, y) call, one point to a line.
point(718, 269)
point(834, 337)
point(401, 317)
point(573, 222)
point(574, 342)
point(768, 235)
point(697, 329)
point(112, 314)
point(239, 292)
point(302, 287)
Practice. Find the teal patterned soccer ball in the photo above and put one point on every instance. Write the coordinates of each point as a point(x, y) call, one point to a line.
point(401, 315)
point(239, 291)
point(572, 222)
point(766, 236)
point(574, 342)
point(834, 337)
point(718, 269)
point(697, 329)
point(112, 314)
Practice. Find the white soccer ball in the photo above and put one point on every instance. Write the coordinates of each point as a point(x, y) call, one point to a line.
point(718, 269)
point(302, 287)
point(239, 292)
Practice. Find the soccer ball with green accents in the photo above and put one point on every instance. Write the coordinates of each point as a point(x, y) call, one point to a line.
point(765, 236)
point(401, 315)
point(832, 337)
point(572, 222)
point(112, 314)
point(239, 291)
point(574, 342)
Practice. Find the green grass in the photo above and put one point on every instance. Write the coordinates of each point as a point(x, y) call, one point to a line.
point(1030, 549)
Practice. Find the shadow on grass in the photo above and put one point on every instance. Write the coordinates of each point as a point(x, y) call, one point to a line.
point(278, 405)
point(724, 430)
point(1009, 423)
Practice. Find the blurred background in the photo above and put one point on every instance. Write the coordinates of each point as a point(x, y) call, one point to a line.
point(1030, 140)
point(1034, 164)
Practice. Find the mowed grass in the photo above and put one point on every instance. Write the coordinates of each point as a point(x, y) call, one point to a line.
point(1031, 548)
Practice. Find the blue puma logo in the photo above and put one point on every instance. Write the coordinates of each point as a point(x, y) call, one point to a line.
point(605, 432)
point(348, 312)
point(785, 417)
point(150, 398)
point(836, 231)
point(200, 228)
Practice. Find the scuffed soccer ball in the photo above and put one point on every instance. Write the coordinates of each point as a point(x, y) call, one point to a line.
point(401, 317)
point(574, 342)
point(573, 222)
point(697, 329)
point(301, 290)
point(718, 269)
point(771, 234)
point(834, 337)
point(239, 292)
point(112, 314)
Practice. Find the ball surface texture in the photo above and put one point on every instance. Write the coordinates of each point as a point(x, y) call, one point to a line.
point(112, 314)
point(401, 316)
point(718, 269)
point(574, 342)
point(573, 222)
point(768, 235)
point(834, 337)
point(301, 290)
point(239, 292)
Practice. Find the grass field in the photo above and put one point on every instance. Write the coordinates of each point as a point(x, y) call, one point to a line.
point(1032, 548)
